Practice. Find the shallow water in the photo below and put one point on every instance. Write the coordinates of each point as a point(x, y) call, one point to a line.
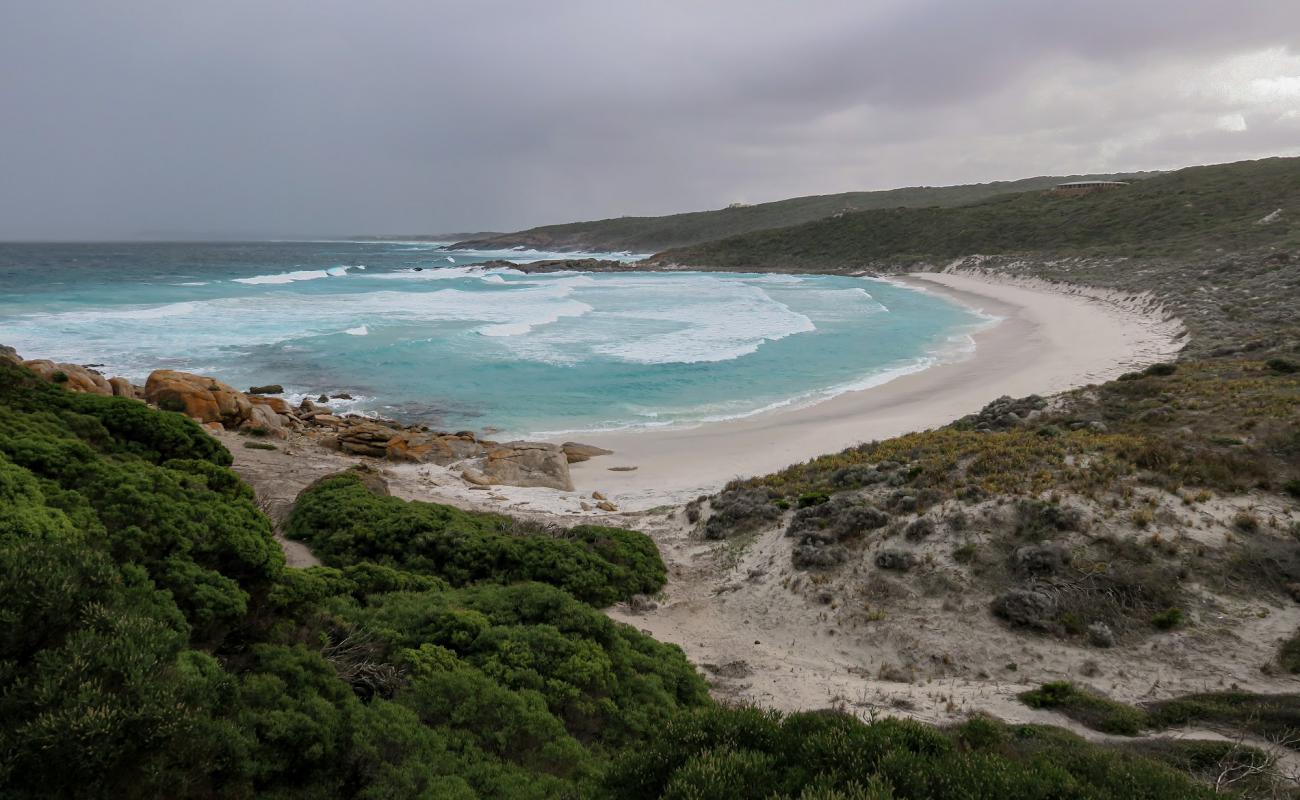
point(462, 347)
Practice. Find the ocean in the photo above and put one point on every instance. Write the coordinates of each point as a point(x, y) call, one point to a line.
point(417, 332)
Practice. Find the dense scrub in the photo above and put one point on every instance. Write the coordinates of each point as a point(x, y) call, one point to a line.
point(345, 524)
point(1190, 210)
point(746, 753)
point(154, 645)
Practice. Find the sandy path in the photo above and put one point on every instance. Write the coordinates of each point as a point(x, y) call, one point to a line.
point(1049, 339)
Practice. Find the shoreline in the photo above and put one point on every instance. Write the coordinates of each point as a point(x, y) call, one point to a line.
point(1050, 338)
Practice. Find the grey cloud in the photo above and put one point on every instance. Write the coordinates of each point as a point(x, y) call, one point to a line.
point(296, 117)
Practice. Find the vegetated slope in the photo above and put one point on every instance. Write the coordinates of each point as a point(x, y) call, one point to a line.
point(1141, 531)
point(1108, 514)
point(154, 645)
point(1193, 210)
point(648, 234)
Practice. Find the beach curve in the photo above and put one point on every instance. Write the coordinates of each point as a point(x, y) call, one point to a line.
point(1049, 338)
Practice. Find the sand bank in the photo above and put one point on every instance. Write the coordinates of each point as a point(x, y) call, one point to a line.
point(1049, 339)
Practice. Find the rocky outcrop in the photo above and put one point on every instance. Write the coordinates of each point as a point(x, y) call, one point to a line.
point(9, 355)
point(277, 404)
point(263, 420)
point(433, 448)
point(366, 439)
point(272, 388)
point(202, 398)
point(72, 377)
point(124, 388)
point(1005, 413)
point(524, 464)
point(576, 452)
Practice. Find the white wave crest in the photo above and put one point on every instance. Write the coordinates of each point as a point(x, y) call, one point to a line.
point(296, 275)
point(360, 330)
point(544, 315)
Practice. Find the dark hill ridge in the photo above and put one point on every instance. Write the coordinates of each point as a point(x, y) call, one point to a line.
point(1197, 209)
point(648, 234)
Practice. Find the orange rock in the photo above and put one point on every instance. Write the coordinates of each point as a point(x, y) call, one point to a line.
point(428, 448)
point(278, 404)
point(72, 377)
point(123, 388)
point(203, 398)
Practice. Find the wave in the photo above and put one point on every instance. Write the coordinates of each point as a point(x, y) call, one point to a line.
point(687, 418)
point(142, 313)
point(443, 273)
point(543, 316)
point(297, 275)
point(503, 322)
point(719, 321)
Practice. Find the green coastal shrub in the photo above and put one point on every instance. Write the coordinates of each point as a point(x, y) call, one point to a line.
point(1168, 619)
point(153, 644)
point(754, 755)
point(1289, 654)
point(344, 523)
point(1092, 710)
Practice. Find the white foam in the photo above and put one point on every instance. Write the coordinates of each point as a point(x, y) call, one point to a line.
point(544, 315)
point(719, 321)
point(296, 275)
point(426, 274)
point(191, 283)
point(493, 278)
point(360, 330)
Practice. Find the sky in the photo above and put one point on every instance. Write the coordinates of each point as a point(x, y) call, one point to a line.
point(255, 118)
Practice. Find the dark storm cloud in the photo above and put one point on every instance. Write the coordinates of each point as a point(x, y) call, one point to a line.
point(154, 117)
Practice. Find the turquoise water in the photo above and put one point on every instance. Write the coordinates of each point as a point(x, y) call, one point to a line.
point(416, 332)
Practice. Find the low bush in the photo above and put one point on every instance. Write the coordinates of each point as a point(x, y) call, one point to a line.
point(1087, 708)
point(739, 511)
point(1168, 619)
point(1288, 655)
point(345, 523)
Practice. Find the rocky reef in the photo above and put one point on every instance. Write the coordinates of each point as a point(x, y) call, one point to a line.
point(261, 413)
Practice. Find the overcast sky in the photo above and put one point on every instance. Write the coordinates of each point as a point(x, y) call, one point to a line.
point(155, 118)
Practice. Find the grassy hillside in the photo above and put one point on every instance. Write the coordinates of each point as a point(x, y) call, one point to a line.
point(648, 234)
point(1193, 210)
point(154, 645)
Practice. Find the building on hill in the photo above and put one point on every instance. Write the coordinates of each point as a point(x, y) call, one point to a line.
point(1086, 187)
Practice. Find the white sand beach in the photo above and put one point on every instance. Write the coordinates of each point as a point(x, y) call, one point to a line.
point(1050, 338)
